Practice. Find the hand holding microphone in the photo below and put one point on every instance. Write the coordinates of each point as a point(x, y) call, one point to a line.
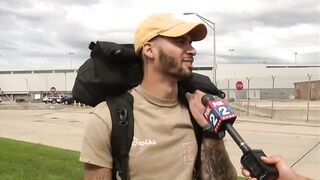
point(220, 118)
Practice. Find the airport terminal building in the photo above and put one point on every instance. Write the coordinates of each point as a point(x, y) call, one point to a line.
point(258, 81)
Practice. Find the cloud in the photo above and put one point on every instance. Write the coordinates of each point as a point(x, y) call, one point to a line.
point(37, 34)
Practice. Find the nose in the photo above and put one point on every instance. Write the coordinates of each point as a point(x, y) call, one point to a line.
point(192, 50)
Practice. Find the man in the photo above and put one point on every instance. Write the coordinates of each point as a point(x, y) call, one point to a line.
point(164, 144)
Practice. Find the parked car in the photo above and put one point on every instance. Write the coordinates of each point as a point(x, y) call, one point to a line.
point(59, 98)
point(18, 100)
point(67, 100)
point(52, 99)
point(46, 99)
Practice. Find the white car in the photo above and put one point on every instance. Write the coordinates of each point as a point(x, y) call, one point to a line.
point(46, 99)
point(52, 99)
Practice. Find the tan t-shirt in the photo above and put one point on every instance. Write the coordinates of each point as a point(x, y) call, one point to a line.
point(164, 144)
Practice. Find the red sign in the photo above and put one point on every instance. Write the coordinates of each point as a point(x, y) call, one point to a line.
point(239, 85)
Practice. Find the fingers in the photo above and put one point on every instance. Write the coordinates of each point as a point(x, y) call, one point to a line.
point(246, 174)
point(271, 159)
point(188, 96)
point(200, 93)
point(196, 107)
point(196, 94)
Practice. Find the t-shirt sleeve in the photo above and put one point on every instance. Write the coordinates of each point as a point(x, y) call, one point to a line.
point(96, 146)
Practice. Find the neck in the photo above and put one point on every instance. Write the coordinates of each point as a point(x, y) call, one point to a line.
point(160, 86)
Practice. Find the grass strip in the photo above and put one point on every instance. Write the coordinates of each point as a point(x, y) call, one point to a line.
point(22, 160)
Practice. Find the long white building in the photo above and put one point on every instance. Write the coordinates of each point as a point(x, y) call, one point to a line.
point(258, 77)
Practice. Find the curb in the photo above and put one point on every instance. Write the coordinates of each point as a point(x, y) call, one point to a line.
point(267, 121)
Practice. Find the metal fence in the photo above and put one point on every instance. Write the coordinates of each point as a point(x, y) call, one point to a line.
point(300, 104)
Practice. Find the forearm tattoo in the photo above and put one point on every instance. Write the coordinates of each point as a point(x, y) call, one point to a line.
point(93, 172)
point(216, 164)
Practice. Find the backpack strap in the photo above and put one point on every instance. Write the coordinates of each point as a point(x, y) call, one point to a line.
point(121, 110)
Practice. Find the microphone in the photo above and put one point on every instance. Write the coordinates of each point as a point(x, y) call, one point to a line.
point(221, 117)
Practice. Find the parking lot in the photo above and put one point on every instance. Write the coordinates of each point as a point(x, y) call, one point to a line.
point(62, 126)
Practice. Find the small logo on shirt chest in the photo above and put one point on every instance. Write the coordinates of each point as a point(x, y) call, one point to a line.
point(143, 142)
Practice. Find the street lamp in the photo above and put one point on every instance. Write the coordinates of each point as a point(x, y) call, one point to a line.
point(71, 53)
point(213, 27)
point(248, 98)
point(295, 57)
point(231, 50)
point(27, 83)
point(309, 95)
point(272, 94)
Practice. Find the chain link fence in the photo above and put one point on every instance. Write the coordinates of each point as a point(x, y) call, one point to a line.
point(300, 104)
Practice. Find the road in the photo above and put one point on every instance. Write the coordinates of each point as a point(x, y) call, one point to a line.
point(293, 142)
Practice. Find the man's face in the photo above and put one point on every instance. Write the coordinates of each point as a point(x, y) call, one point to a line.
point(176, 57)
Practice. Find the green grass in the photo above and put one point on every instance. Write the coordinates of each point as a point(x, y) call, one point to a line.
point(26, 161)
point(21, 160)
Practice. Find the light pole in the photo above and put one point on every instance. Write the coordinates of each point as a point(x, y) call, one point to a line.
point(228, 80)
point(213, 27)
point(71, 53)
point(272, 94)
point(27, 83)
point(65, 82)
point(231, 50)
point(248, 98)
point(295, 57)
point(46, 82)
point(309, 95)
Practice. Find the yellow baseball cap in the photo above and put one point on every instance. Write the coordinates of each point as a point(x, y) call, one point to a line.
point(165, 24)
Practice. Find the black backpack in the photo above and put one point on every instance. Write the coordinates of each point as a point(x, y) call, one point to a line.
point(108, 75)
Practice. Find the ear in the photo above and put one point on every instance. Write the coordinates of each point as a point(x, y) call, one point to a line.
point(148, 51)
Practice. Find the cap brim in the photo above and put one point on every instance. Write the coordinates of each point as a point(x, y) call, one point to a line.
point(196, 31)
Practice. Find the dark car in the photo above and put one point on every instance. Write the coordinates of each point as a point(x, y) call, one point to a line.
point(67, 100)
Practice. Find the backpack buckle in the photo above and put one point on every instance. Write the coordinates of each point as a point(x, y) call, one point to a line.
point(123, 114)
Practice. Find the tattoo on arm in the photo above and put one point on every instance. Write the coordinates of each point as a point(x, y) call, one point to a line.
point(93, 172)
point(215, 161)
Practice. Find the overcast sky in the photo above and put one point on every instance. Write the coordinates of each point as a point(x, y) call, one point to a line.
point(53, 34)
